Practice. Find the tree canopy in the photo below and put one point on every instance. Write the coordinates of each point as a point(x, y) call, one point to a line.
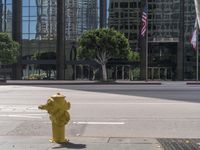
point(103, 44)
point(9, 49)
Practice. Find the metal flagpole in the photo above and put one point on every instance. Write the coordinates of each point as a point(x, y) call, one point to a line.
point(147, 43)
point(147, 53)
point(197, 75)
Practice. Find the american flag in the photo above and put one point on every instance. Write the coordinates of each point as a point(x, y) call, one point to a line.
point(144, 21)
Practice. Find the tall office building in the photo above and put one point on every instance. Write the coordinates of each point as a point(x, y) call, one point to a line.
point(47, 30)
point(170, 24)
point(124, 17)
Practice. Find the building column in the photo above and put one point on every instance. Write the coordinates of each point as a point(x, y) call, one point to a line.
point(103, 13)
point(180, 51)
point(17, 33)
point(60, 52)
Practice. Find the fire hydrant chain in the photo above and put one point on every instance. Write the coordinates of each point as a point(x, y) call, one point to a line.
point(57, 107)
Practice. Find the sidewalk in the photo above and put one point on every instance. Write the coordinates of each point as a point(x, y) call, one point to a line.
point(75, 82)
point(88, 82)
point(86, 143)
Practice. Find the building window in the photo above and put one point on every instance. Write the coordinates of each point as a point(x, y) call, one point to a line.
point(116, 5)
point(124, 5)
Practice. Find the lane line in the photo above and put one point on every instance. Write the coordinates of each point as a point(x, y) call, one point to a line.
point(181, 103)
point(100, 123)
point(22, 116)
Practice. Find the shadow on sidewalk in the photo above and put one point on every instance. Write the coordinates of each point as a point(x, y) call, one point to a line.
point(70, 145)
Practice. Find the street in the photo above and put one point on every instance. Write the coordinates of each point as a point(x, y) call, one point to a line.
point(103, 111)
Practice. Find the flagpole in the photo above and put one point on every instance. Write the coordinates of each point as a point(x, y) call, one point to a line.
point(147, 45)
point(147, 54)
point(197, 75)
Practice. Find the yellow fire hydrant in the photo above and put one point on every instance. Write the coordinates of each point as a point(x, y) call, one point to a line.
point(57, 107)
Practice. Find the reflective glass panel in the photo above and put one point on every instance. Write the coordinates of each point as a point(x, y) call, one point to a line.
point(9, 2)
point(33, 11)
point(25, 11)
point(33, 26)
point(25, 3)
point(33, 2)
point(25, 26)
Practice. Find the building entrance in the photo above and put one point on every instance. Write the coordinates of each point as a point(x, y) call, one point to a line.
point(162, 61)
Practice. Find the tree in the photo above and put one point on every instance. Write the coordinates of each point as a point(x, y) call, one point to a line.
point(9, 49)
point(103, 44)
point(133, 56)
point(134, 72)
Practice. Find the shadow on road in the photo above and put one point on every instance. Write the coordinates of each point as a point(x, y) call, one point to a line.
point(185, 94)
point(70, 145)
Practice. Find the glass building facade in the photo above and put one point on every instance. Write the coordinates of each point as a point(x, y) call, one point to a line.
point(6, 16)
point(36, 25)
point(39, 34)
point(80, 15)
point(170, 25)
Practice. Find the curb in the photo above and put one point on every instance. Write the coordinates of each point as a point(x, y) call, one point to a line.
point(38, 82)
point(193, 83)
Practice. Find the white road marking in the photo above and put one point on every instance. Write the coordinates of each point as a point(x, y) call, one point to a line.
point(22, 116)
point(100, 123)
point(181, 103)
point(19, 108)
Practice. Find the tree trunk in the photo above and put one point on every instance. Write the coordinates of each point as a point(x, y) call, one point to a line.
point(104, 72)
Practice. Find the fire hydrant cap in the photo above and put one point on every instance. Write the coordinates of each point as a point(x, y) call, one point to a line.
point(58, 95)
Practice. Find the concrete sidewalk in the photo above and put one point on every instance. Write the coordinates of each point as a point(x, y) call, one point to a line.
point(86, 143)
point(89, 82)
point(75, 82)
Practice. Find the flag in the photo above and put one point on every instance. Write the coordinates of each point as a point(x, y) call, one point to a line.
point(193, 39)
point(144, 21)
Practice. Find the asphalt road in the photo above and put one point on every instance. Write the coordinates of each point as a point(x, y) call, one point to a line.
point(150, 111)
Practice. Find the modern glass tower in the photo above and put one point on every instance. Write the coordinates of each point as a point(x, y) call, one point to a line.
point(170, 25)
point(47, 31)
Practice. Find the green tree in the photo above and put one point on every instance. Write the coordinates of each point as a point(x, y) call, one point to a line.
point(133, 56)
point(9, 49)
point(134, 71)
point(103, 44)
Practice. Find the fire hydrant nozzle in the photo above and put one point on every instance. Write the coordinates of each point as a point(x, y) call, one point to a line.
point(57, 107)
